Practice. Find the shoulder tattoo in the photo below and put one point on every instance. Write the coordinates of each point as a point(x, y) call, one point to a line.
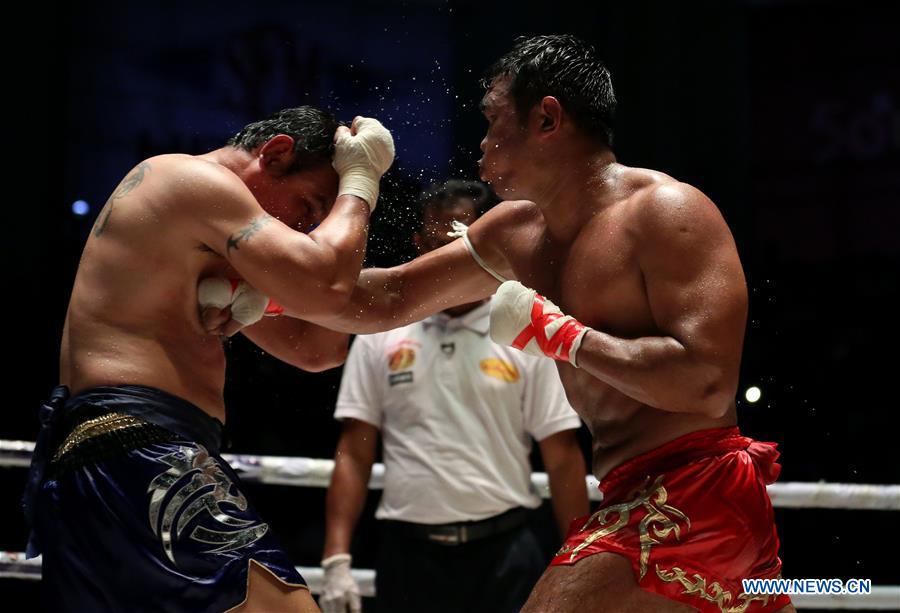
point(128, 185)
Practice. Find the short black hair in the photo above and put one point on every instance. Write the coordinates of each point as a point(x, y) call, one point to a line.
point(443, 196)
point(565, 67)
point(312, 130)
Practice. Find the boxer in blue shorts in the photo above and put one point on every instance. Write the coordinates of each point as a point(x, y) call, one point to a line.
point(130, 503)
point(139, 510)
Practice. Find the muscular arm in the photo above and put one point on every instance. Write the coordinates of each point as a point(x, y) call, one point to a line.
point(386, 298)
point(566, 470)
point(308, 274)
point(299, 343)
point(349, 484)
point(698, 297)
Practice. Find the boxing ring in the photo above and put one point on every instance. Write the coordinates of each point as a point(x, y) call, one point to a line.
point(312, 472)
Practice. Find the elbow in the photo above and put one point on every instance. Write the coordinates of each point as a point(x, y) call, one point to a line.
point(335, 357)
point(338, 297)
point(327, 357)
point(716, 395)
point(325, 301)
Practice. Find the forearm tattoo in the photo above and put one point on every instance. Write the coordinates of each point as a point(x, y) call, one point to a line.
point(246, 233)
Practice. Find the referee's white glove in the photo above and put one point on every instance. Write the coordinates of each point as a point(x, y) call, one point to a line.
point(341, 593)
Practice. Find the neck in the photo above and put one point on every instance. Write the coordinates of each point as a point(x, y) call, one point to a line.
point(234, 159)
point(576, 192)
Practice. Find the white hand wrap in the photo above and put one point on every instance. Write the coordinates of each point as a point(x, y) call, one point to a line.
point(340, 593)
point(361, 159)
point(522, 318)
point(248, 305)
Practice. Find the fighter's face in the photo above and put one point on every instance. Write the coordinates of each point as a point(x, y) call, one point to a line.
point(299, 199)
point(503, 164)
point(437, 223)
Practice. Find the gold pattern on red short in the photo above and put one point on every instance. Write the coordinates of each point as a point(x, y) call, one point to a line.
point(711, 591)
point(715, 477)
point(660, 521)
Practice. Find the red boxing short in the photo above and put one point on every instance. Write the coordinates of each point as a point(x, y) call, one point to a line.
point(694, 518)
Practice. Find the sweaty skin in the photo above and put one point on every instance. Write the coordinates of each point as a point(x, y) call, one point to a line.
point(646, 261)
point(174, 219)
point(650, 308)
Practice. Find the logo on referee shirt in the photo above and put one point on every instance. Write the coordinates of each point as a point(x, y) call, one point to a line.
point(402, 357)
point(499, 369)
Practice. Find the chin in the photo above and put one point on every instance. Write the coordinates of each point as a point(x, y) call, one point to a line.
point(506, 192)
point(501, 187)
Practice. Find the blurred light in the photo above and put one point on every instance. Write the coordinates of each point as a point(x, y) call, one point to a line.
point(81, 208)
point(753, 394)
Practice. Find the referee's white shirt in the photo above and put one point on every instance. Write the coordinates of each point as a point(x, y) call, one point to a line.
point(457, 413)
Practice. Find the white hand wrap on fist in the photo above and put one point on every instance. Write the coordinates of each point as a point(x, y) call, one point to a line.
point(248, 305)
point(340, 593)
point(361, 157)
point(522, 318)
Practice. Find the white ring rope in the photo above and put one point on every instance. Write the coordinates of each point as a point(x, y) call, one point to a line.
point(312, 472)
point(13, 565)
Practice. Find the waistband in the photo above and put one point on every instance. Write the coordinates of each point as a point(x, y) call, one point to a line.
point(460, 532)
point(154, 406)
point(690, 447)
point(61, 412)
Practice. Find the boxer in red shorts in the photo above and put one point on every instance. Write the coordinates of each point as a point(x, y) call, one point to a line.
point(648, 348)
point(693, 518)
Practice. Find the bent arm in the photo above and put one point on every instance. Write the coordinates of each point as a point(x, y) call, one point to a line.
point(698, 297)
point(308, 274)
point(299, 343)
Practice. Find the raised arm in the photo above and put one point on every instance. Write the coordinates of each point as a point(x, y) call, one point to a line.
point(308, 274)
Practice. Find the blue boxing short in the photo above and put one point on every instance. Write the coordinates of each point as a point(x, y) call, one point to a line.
point(133, 508)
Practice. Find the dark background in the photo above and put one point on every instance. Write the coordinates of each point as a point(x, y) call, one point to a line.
point(784, 113)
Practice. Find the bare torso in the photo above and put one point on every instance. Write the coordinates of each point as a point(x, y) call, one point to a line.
point(132, 317)
point(596, 278)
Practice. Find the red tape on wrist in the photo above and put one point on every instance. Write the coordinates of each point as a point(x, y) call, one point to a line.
point(273, 309)
point(558, 345)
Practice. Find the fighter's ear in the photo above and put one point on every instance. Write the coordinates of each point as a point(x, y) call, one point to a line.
point(276, 155)
point(549, 113)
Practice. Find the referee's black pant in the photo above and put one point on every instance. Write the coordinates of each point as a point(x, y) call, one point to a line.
point(493, 574)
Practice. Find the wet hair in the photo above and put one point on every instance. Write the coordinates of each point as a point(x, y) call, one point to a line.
point(565, 67)
point(312, 130)
point(445, 196)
